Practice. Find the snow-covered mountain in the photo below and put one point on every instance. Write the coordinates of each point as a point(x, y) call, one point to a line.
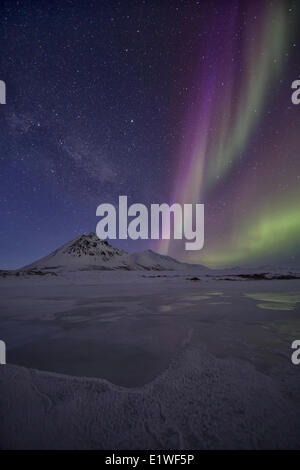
point(88, 252)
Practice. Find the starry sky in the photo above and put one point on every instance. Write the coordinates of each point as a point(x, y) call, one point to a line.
point(159, 100)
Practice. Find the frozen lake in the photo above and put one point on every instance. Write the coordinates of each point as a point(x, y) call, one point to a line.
point(218, 343)
point(127, 328)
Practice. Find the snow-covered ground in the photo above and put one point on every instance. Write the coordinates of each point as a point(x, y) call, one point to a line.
point(138, 359)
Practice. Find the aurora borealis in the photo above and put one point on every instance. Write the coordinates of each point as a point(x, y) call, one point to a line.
point(185, 101)
point(240, 155)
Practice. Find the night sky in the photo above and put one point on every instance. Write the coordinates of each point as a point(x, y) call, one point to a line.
point(162, 101)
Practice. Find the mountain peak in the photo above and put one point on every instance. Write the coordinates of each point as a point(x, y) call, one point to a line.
point(91, 245)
